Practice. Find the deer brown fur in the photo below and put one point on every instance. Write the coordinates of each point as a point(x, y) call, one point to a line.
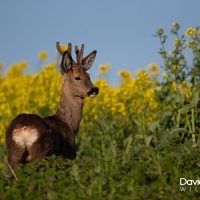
point(30, 136)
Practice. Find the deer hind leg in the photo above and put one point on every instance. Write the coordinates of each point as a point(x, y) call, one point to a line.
point(16, 154)
point(40, 148)
point(36, 151)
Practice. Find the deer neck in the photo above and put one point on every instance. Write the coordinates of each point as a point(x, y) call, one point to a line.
point(70, 110)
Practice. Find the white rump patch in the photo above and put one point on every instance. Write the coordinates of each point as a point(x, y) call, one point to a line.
point(25, 136)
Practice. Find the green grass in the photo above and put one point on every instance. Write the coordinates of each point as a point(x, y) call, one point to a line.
point(113, 162)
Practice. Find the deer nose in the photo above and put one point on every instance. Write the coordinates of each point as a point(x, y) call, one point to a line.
point(93, 92)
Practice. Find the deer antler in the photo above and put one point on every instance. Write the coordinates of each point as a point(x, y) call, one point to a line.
point(79, 54)
point(69, 49)
point(59, 48)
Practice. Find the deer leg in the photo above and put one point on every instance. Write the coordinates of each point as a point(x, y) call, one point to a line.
point(36, 151)
point(69, 151)
point(16, 155)
point(39, 149)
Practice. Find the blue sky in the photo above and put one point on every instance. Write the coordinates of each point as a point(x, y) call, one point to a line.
point(121, 31)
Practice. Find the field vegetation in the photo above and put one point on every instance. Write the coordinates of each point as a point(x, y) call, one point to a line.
point(136, 141)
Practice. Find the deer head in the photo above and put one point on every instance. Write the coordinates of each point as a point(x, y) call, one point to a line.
point(75, 78)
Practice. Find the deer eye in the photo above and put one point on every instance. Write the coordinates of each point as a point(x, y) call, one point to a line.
point(77, 78)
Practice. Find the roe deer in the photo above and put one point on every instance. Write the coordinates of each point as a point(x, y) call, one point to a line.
point(29, 136)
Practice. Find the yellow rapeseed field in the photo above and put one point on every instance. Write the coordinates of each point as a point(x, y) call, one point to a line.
point(40, 93)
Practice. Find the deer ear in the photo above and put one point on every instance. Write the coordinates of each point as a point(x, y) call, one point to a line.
point(66, 63)
point(88, 60)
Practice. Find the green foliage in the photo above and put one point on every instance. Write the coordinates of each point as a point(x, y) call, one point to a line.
point(180, 91)
point(113, 162)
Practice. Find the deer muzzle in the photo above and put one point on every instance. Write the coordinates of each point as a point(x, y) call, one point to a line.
point(93, 92)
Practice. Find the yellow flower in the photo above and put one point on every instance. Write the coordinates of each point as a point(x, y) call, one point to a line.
point(164, 75)
point(191, 32)
point(190, 45)
point(174, 86)
point(141, 74)
point(124, 74)
point(160, 31)
point(43, 55)
point(104, 68)
point(149, 93)
point(154, 67)
point(185, 89)
point(177, 42)
point(158, 89)
point(176, 25)
point(175, 67)
point(23, 64)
